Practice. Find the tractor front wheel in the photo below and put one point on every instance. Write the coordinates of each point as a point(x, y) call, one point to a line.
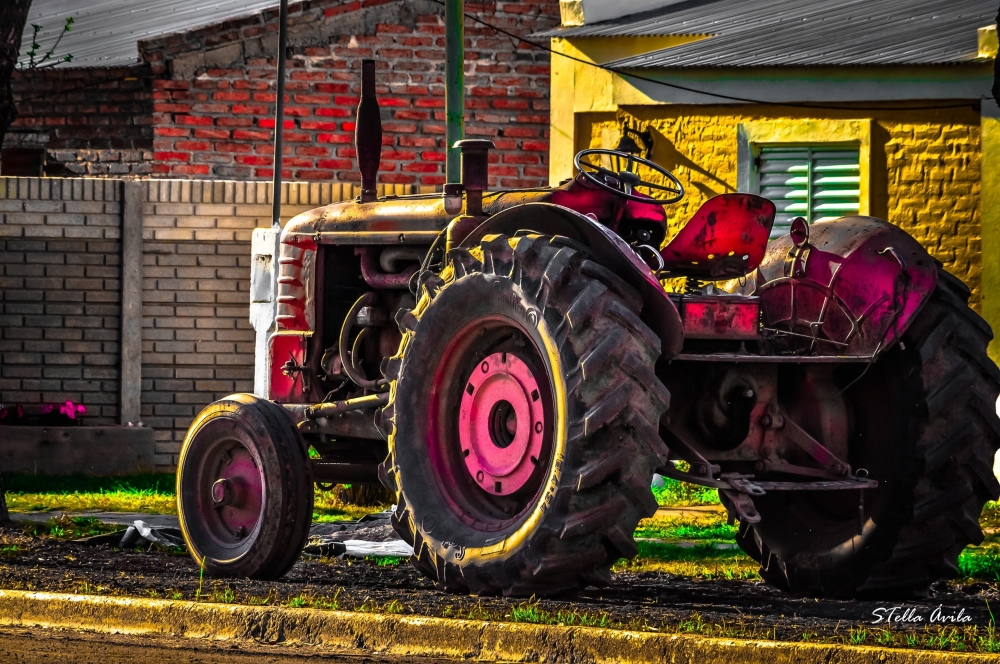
point(524, 413)
point(244, 489)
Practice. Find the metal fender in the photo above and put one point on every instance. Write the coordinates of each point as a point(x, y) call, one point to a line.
point(658, 312)
point(852, 288)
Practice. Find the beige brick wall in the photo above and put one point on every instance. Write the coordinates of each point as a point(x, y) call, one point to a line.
point(60, 293)
point(197, 342)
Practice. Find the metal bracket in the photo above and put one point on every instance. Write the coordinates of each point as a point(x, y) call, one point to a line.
point(777, 420)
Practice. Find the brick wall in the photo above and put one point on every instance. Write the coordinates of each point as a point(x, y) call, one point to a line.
point(60, 293)
point(214, 95)
point(92, 121)
point(197, 342)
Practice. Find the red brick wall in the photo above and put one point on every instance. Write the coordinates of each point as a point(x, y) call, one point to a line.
point(93, 121)
point(214, 96)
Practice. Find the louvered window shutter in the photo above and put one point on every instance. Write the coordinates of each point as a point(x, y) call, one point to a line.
point(817, 183)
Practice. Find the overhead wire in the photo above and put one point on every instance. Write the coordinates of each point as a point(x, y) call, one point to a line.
point(676, 86)
point(612, 70)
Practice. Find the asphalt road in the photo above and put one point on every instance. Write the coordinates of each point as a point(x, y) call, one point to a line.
point(44, 646)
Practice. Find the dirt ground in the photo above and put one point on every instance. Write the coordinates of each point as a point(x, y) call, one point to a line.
point(648, 600)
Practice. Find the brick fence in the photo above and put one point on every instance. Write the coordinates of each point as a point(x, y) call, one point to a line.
point(61, 303)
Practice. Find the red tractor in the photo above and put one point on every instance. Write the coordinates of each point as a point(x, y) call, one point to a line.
point(510, 366)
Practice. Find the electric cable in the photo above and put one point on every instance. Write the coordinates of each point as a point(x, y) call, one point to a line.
point(639, 77)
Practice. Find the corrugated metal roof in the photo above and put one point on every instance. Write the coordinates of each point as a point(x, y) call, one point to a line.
point(105, 32)
point(804, 33)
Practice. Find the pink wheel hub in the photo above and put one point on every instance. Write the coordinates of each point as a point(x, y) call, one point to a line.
point(501, 424)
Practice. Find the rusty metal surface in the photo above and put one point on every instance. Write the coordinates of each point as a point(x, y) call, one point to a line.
point(355, 424)
point(296, 273)
point(725, 238)
point(330, 408)
point(287, 355)
point(719, 316)
point(659, 312)
point(368, 132)
point(851, 290)
point(418, 219)
point(771, 359)
point(375, 278)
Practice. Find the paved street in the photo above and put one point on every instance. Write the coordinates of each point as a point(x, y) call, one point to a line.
point(28, 646)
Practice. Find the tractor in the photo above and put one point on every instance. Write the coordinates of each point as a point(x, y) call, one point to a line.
point(511, 367)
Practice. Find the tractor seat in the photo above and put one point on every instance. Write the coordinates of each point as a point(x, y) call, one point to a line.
point(725, 239)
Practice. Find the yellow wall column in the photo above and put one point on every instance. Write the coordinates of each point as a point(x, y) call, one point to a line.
point(990, 215)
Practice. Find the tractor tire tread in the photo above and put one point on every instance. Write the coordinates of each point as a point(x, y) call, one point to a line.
point(605, 489)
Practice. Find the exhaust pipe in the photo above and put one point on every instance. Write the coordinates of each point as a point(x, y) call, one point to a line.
point(368, 133)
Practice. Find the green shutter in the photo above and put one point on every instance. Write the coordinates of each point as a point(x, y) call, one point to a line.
point(818, 183)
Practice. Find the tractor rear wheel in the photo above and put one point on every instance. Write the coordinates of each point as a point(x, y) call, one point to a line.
point(523, 410)
point(925, 426)
point(244, 489)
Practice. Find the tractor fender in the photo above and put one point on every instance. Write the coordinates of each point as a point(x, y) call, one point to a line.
point(860, 280)
point(658, 312)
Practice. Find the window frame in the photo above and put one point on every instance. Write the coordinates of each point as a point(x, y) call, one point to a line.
point(752, 136)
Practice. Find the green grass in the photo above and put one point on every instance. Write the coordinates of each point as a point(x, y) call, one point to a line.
point(703, 561)
point(982, 562)
point(687, 529)
point(150, 493)
point(677, 493)
point(65, 527)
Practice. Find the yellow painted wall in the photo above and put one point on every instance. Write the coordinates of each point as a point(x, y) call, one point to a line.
point(990, 210)
point(925, 166)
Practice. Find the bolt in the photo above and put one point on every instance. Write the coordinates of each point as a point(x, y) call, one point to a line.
point(239, 533)
point(765, 421)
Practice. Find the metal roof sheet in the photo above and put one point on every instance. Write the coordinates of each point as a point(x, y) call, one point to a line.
point(804, 33)
point(106, 32)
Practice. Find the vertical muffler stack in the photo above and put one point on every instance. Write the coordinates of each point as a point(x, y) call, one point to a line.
point(368, 133)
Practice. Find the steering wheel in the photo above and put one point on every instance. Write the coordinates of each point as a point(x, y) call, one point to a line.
point(626, 180)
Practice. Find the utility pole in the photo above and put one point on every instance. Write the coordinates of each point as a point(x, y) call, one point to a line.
point(454, 92)
point(279, 114)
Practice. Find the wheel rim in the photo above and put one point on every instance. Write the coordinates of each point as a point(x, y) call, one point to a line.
point(224, 489)
point(501, 424)
point(491, 435)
